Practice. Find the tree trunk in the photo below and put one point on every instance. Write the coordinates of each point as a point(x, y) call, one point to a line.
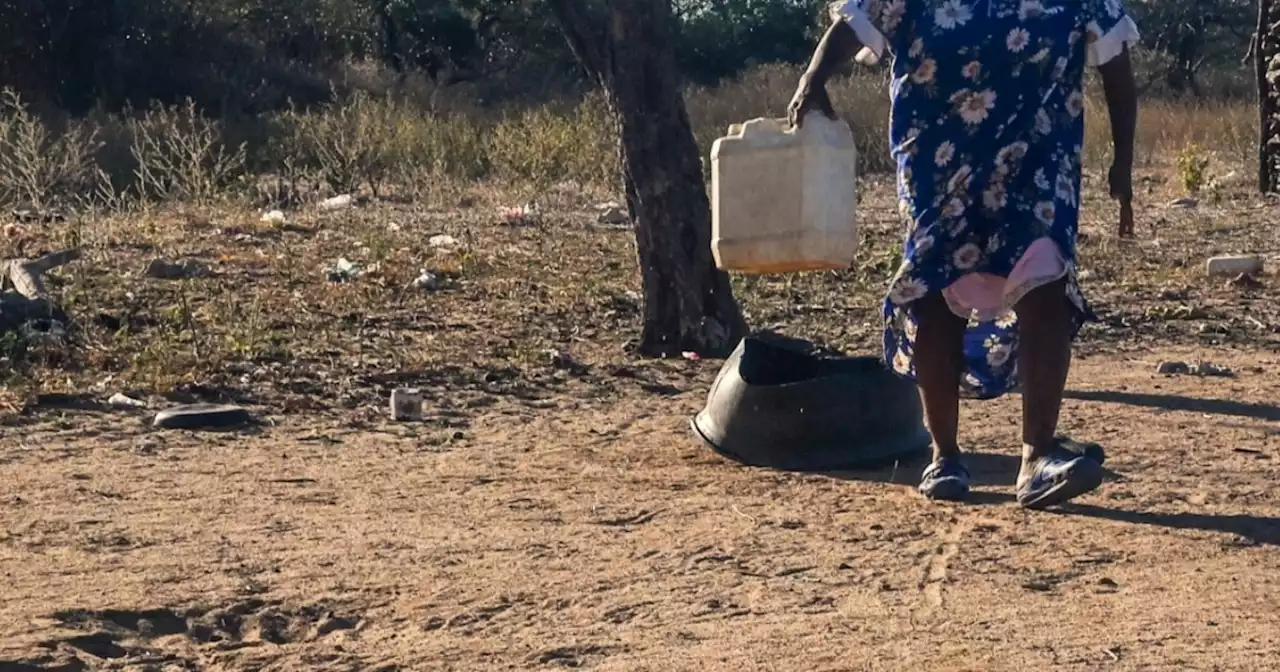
point(1265, 45)
point(626, 45)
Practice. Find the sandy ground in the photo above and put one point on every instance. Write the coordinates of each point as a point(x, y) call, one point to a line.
point(595, 533)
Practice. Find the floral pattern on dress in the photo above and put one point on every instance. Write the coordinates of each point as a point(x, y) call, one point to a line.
point(986, 128)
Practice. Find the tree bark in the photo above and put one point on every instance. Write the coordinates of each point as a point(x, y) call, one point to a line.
point(1264, 49)
point(626, 45)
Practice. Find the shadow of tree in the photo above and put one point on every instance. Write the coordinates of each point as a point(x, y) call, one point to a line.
point(1258, 529)
point(1173, 402)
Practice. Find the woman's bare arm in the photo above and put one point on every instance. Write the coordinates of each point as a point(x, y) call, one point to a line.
point(1121, 92)
point(838, 45)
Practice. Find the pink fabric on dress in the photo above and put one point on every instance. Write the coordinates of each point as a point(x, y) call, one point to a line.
point(991, 296)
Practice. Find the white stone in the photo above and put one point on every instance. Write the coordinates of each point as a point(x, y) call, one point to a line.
point(1234, 264)
point(123, 401)
point(336, 203)
point(442, 241)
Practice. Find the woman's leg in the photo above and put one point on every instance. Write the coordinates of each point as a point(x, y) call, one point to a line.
point(1044, 358)
point(1050, 475)
point(939, 360)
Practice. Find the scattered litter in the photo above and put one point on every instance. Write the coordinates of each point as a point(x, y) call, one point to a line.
point(273, 217)
point(124, 401)
point(337, 202)
point(691, 356)
point(565, 362)
point(1234, 265)
point(202, 416)
point(406, 405)
point(44, 332)
point(38, 216)
point(1184, 203)
point(343, 271)
point(524, 215)
point(1211, 370)
point(1245, 281)
point(443, 241)
point(163, 269)
point(1197, 369)
point(615, 217)
point(426, 281)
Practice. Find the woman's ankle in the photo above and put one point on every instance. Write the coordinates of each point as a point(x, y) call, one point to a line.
point(950, 452)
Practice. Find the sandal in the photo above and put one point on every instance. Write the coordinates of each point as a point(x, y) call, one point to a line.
point(946, 480)
point(1062, 475)
point(1090, 450)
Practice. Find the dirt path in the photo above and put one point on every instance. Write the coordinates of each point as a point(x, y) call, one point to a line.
point(598, 535)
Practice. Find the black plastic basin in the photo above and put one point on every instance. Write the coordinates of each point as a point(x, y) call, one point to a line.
point(776, 405)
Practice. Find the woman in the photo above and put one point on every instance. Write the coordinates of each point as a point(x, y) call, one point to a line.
point(986, 128)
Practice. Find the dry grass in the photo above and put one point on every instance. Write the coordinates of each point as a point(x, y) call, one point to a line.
point(267, 327)
point(380, 145)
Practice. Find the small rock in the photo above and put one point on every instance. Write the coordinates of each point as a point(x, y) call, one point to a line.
point(273, 217)
point(427, 281)
point(1173, 368)
point(1234, 265)
point(202, 416)
point(615, 216)
point(1184, 203)
point(124, 401)
point(162, 269)
point(337, 202)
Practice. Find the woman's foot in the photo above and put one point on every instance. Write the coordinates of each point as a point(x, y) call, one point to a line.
point(946, 479)
point(1057, 477)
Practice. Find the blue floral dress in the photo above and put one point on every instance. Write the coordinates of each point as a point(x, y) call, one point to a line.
point(986, 128)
